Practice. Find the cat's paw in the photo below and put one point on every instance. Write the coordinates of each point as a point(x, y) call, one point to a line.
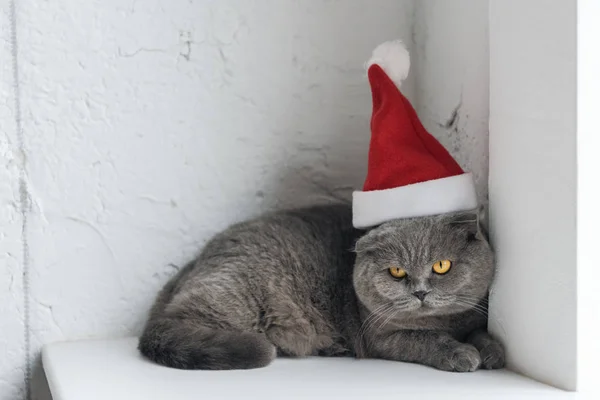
point(492, 356)
point(297, 339)
point(462, 358)
point(291, 342)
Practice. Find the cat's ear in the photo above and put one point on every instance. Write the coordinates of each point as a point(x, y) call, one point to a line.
point(474, 222)
point(371, 241)
point(366, 244)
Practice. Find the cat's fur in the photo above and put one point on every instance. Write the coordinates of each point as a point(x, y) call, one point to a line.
point(305, 282)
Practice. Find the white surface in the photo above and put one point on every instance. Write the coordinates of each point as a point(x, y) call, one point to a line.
point(12, 340)
point(533, 185)
point(115, 370)
point(588, 218)
point(437, 196)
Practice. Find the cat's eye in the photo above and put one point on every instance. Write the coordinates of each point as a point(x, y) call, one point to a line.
point(442, 267)
point(397, 273)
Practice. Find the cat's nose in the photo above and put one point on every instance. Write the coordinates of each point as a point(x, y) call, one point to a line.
point(420, 294)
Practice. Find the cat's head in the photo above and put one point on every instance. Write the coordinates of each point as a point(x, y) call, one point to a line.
point(424, 266)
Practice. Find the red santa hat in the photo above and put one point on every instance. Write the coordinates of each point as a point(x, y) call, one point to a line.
point(410, 174)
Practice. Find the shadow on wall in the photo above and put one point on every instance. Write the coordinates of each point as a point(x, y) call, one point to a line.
point(39, 382)
point(316, 147)
point(326, 164)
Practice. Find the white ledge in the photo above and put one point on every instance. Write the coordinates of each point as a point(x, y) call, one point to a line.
point(113, 369)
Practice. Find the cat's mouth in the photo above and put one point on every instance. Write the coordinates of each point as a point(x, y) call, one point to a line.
point(413, 304)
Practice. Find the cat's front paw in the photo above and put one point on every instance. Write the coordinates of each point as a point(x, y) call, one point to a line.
point(492, 356)
point(462, 358)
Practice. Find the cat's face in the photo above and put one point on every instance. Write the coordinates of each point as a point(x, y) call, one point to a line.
point(424, 266)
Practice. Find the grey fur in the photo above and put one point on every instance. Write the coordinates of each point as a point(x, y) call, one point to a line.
point(305, 282)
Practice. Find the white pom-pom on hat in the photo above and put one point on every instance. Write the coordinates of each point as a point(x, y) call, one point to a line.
point(393, 58)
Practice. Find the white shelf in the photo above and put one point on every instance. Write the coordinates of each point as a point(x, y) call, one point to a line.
point(113, 369)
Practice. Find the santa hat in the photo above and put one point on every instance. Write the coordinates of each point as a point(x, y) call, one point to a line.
point(410, 174)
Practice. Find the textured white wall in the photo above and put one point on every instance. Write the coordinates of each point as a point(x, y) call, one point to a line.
point(12, 316)
point(151, 125)
point(452, 78)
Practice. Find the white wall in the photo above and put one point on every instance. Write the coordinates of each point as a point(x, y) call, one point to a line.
point(533, 185)
point(12, 328)
point(151, 125)
point(452, 72)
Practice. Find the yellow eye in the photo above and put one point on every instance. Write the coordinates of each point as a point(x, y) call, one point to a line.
point(442, 267)
point(397, 273)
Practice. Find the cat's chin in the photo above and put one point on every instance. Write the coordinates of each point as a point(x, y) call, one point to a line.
point(416, 305)
point(432, 307)
point(413, 307)
point(435, 305)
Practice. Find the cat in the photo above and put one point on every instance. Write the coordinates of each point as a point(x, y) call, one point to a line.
point(305, 282)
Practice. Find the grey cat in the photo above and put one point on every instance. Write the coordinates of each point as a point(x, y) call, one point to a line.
point(305, 282)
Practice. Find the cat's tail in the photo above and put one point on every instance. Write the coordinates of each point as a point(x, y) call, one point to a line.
point(186, 344)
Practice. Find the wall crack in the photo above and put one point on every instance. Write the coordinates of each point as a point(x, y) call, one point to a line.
point(454, 117)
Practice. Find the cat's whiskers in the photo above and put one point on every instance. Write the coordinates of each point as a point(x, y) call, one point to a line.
point(369, 321)
point(367, 327)
point(485, 311)
point(473, 298)
point(365, 324)
point(471, 303)
point(384, 323)
point(473, 307)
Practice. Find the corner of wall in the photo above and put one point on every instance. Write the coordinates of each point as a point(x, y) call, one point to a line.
point(452, 79)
